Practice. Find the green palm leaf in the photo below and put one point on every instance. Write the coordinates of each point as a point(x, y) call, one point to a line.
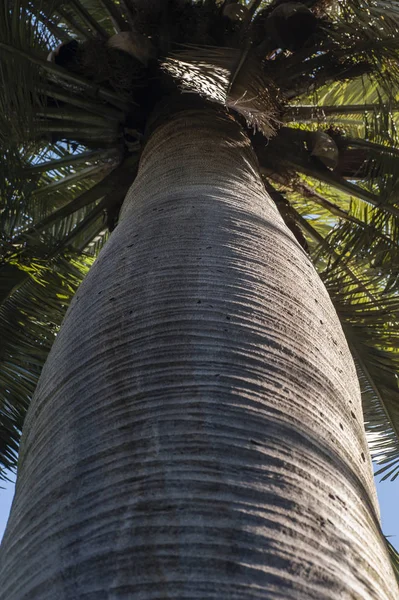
point(67, 163)
point(33, 300)
point(394, 554)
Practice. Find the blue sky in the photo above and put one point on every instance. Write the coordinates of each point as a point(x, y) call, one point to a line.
point(5, 503)
point(388, 494)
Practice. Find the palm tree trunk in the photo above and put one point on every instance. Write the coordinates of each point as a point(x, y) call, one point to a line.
point(197, 430)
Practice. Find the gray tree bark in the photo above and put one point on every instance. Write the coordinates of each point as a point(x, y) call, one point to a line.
point(197, 430)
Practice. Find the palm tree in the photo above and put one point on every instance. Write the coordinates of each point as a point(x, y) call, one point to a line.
point(197, 430)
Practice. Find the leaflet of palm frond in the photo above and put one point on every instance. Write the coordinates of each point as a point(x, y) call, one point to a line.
point(75, 29)
point(380, 399)
point(328, 259)
point(304, 191)
point(69, 160)
point(338, 182)
point(15, 195)
point(291, 148)
point(374, 242)
point(93, 15)
point(375, 44)
point(58, 116)
point(76, 83)
point(82, 21)
point(231, 77)
point(378, 23)
point(91, 220)
point(376, 166)
point(116, 16)
point(372, 146)
point(22, 102)
point(365, 226)
point(203, 70)
point(380, 125)
point(92, 246)
point(54, 31)
point(370, 288)
point(378, 162)
point(61, 234)
point(287, 212)
point(374, 121)
point(54, 96)
point(55, 226)
point(364, 233)
point(314, 233)
point(309, 77)
point(98, 171)
point(112, 188)
point(370, 321)
point(366, 91)
point(379, 54)
point(32, 307)
point(253, 95)
point(21, 206)
point(18, 79)
point(394, 556)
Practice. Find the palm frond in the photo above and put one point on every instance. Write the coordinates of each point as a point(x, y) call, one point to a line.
point(115, 14)
point(88, 17)
point(33, 301)
point(334, 172)
point(394, 556)
point(42, 102)
point(320, 113)
point(371, 323)
point(18, 32)
point(293, 145)
point(231, 77)
point(369, 315)
point(67, 160)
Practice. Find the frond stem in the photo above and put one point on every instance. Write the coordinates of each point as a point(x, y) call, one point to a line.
point(95, 90)
point(86, 17)
point(117, 19)
point(319, 113)
point(66, 161)
point(72, 24)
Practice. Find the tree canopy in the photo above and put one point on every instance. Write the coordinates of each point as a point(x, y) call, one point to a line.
point(315, 83)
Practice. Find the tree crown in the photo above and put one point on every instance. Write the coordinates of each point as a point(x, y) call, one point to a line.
point(314, 83)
